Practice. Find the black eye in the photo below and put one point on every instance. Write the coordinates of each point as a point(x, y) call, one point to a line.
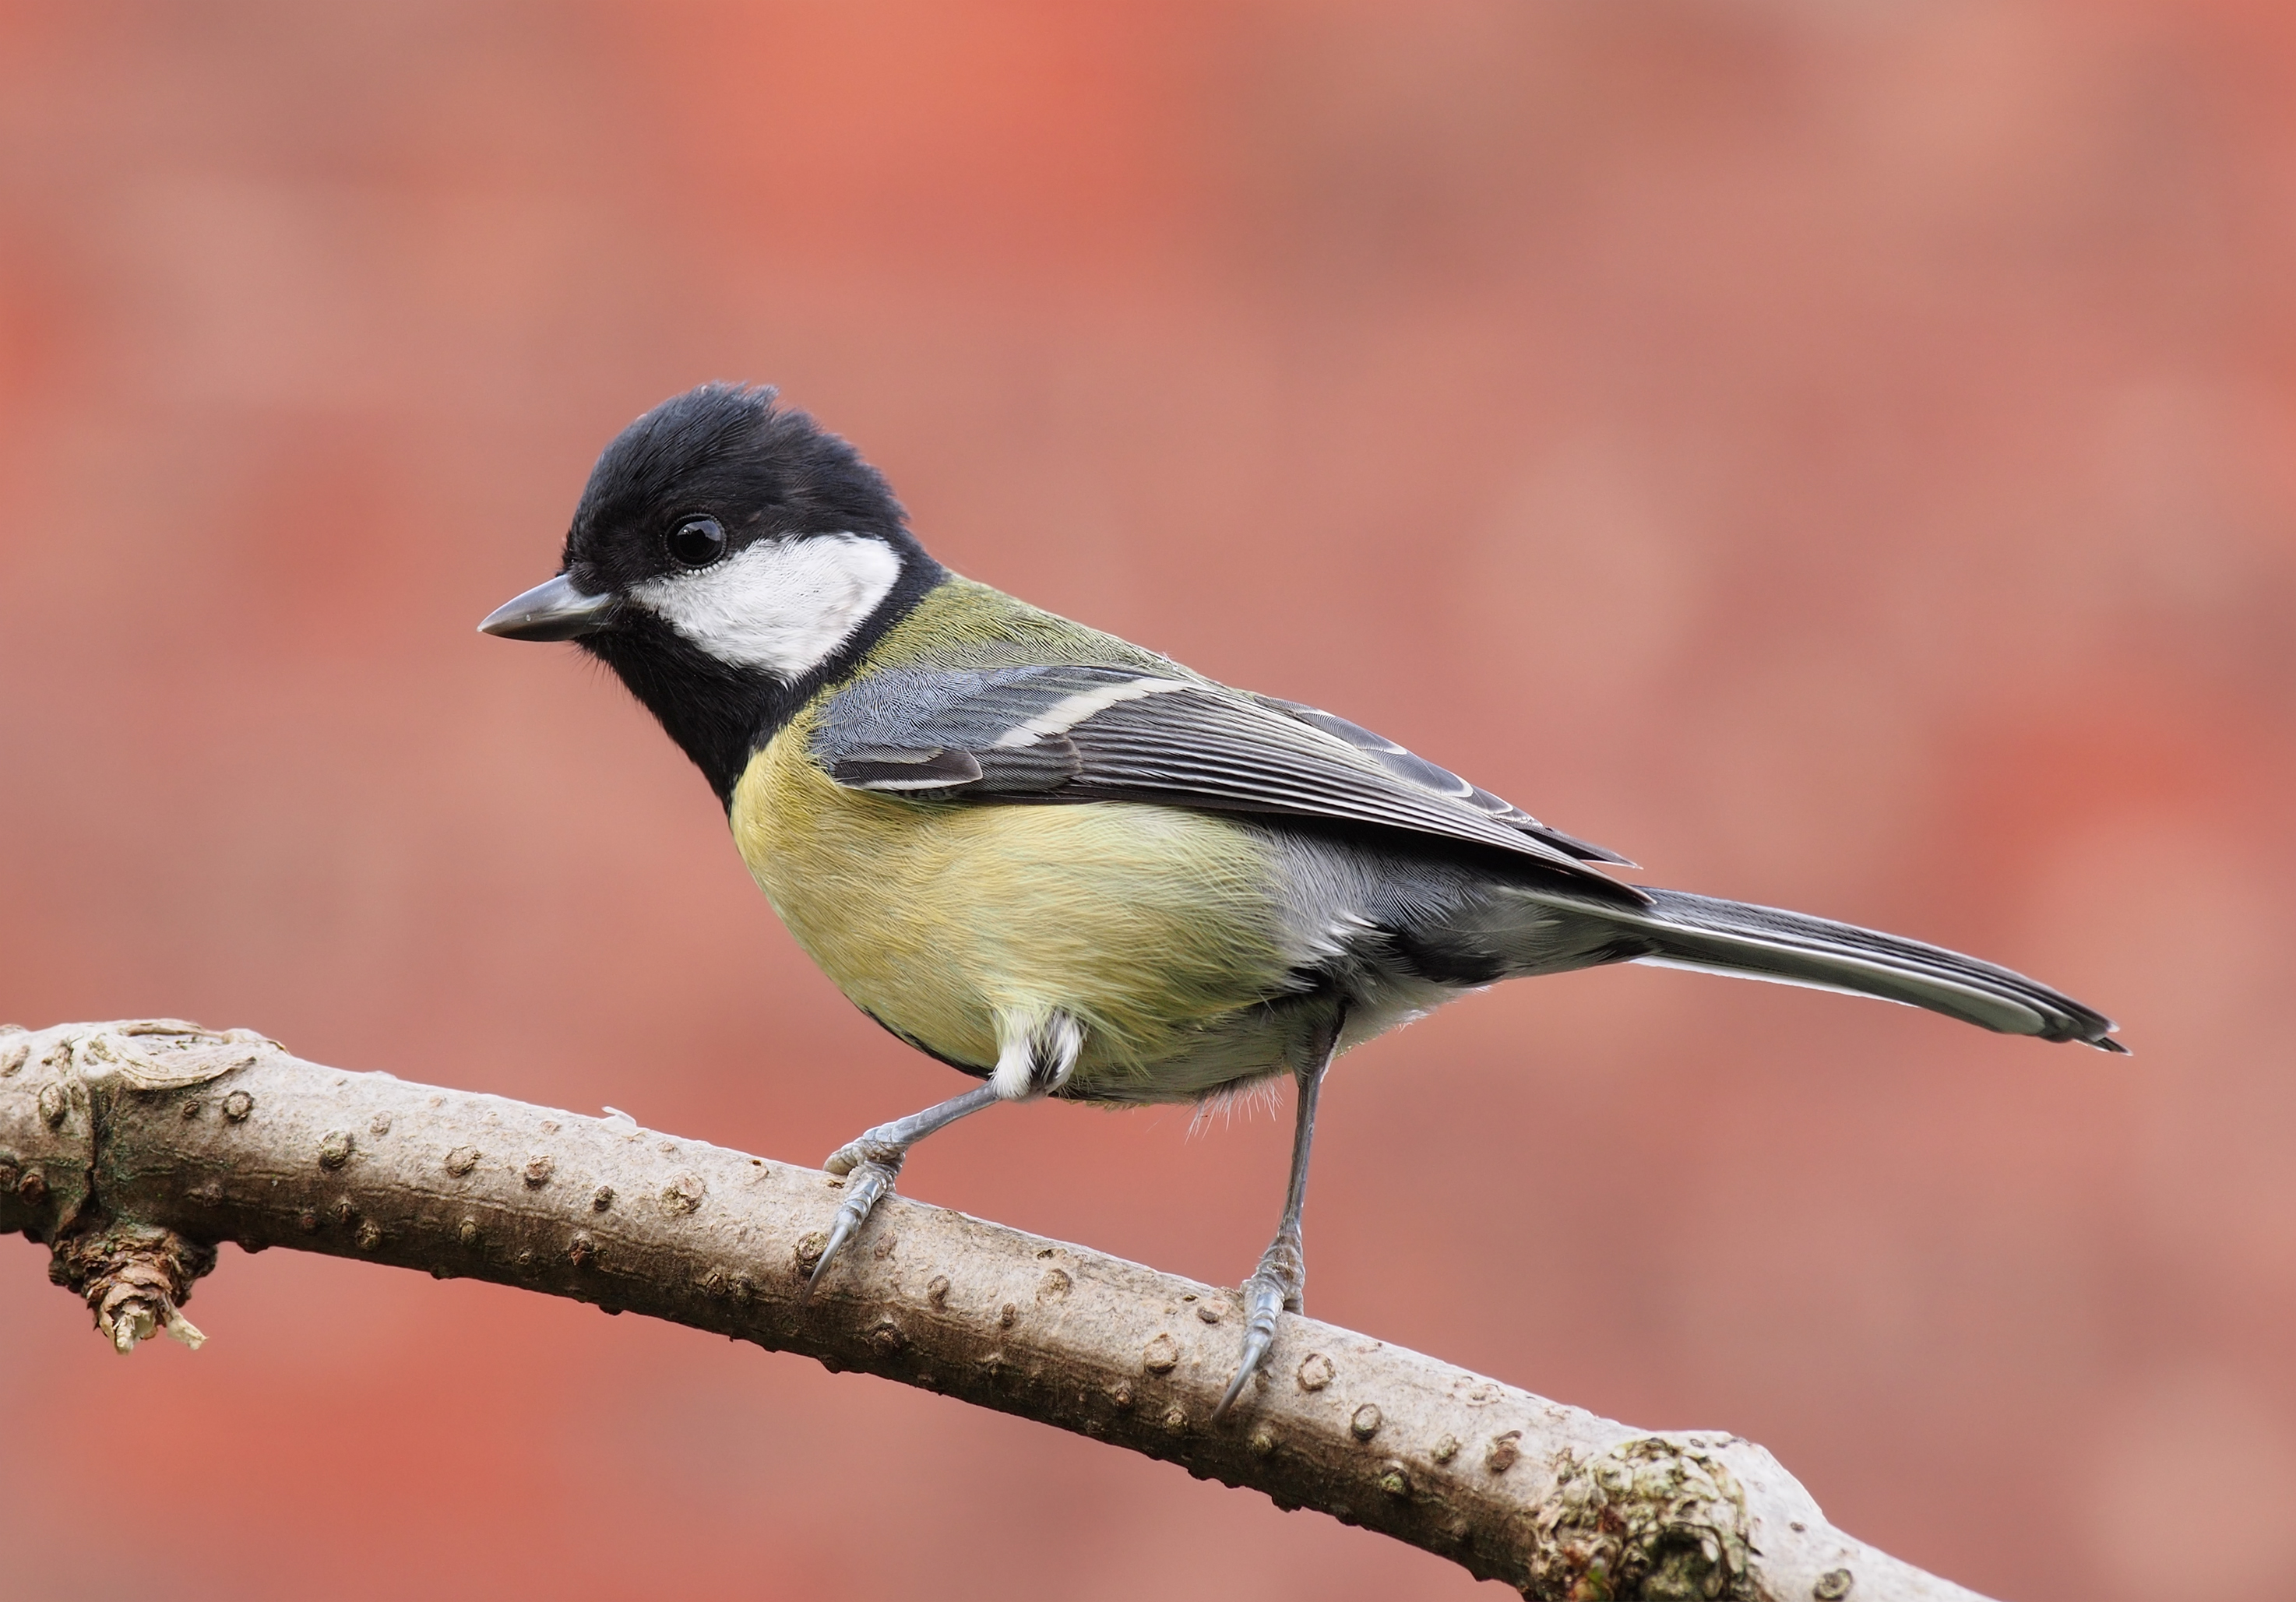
point(697, 542)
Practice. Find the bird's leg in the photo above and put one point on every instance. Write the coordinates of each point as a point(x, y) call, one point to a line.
point(1275, 1285)
point(872, 1162)
point(1036, 1051)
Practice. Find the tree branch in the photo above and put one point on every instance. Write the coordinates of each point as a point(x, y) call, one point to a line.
point(130, 1147)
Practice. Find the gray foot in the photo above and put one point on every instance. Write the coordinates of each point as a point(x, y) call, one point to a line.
point(871, 1164)
point(1273, 1288)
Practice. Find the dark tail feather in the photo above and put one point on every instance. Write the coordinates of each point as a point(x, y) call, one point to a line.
point(1763, 942)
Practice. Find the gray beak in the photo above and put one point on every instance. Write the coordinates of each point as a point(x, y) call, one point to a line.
point(554, 611)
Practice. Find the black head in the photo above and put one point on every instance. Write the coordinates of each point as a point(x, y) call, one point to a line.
point(728, 557)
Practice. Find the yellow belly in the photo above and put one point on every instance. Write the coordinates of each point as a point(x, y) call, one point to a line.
point(1153, 926)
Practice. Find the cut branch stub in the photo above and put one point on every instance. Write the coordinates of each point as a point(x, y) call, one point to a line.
point(134, 1277)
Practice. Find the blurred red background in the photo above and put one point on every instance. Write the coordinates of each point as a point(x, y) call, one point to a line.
point(1839, 454)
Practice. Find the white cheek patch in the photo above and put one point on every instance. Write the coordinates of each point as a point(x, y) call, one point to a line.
point(784, 605)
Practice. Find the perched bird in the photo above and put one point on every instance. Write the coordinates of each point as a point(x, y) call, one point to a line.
point(1070, 866)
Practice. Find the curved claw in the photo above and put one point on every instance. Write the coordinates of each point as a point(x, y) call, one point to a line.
point(1264, 1297)
point(866, 1182)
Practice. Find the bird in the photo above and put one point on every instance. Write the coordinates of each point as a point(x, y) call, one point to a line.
point(1069, 867)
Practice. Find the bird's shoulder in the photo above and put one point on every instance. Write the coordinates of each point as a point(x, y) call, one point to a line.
point(962, 624)
point(961, 636)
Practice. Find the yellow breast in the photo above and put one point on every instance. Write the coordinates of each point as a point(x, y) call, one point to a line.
point(1149, 925)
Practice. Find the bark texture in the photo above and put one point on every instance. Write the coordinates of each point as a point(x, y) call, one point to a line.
point(131, 1148)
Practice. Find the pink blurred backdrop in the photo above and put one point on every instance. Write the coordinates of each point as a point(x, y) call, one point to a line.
point(1839, 454)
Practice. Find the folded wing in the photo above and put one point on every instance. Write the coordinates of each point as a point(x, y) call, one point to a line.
point(1068, 732)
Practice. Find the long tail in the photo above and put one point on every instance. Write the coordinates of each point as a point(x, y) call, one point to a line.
point(1686, 931)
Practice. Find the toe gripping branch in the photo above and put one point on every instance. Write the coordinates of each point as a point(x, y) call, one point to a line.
point(1275, 1287)
point(870, 1167)
point(872, 1162)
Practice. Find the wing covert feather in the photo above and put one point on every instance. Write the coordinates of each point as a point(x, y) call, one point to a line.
point(1082, 733)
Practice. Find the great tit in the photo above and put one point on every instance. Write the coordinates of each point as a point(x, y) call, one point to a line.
point(1070, 866)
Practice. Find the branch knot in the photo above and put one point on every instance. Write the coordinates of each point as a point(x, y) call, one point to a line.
point(1649, 1519)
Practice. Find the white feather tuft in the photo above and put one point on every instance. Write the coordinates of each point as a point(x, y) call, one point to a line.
point(1036, 1053)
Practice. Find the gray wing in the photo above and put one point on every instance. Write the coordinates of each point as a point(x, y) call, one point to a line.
point(1088, 733)
point(1419, 771)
